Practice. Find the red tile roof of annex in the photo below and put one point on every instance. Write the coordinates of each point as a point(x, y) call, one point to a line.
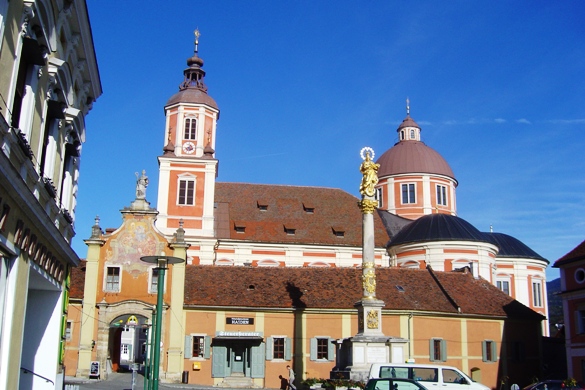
point(315, 213)
point(340, 288)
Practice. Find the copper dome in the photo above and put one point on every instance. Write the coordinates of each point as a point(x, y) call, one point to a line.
point(413, 157)
point(192, 95)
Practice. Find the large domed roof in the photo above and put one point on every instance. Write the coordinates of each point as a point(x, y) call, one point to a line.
point(413, 157)
point(438, 227)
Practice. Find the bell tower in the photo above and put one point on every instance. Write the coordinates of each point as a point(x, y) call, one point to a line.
point(188, 167)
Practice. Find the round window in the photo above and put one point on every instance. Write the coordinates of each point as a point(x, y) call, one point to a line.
point(580, 275)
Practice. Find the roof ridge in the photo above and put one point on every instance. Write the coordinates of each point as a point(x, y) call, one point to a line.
point(282, 185)
point(443, 289)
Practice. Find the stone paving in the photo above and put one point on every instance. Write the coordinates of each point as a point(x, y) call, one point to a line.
point(123, 381)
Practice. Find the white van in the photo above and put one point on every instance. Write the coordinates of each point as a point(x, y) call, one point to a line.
point(431, 376)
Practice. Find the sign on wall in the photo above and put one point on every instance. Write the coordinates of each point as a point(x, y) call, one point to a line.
point(239, 321)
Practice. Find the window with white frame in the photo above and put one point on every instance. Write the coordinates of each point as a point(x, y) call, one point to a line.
point(441, 195)
point(503, 284)
point(153, 285)
point(186, 193)
point(112, 279)
point(197, 346)
point(438, 350)
point(537, 293)
point(379, 198)
point(278, 348)
point(489, 351)
point(408, 193)
point(322, 349)
point(190, 128)
point(68, 329)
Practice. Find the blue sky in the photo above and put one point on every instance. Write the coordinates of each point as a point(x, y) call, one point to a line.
point(497, 87)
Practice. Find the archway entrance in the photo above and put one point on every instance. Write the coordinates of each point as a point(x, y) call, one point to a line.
point(127, 341)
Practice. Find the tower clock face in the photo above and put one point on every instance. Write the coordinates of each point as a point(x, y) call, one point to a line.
point(188, 147)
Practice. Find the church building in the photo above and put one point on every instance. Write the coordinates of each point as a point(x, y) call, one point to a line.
point(272, 273)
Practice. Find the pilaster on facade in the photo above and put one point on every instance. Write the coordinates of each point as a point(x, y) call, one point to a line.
point(89, 309)
point(426, 190)
point(175, 351)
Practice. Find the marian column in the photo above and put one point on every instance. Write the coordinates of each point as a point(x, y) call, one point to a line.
point(369, 345)
point(369, 307)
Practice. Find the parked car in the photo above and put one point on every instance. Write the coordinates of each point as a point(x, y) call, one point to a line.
point(393, 384)
point(433, 376)
point(553, 384)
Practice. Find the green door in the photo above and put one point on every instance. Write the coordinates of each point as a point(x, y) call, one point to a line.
point(238, 359)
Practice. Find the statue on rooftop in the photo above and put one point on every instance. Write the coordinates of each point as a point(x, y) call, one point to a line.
point(141, 184)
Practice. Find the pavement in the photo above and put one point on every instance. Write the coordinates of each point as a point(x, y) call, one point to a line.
point(123, 381)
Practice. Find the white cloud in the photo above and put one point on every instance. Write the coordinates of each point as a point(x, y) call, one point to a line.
point(523, 120)
point(567, 121)
point(500, 120)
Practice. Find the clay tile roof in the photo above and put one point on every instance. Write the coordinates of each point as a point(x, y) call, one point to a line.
point(340, 288)
point(77, 280)
point(576, 254)
point(332, 207)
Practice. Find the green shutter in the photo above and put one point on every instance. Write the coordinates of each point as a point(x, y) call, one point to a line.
point(432, 350)
point(443, 350)
point(269, 346)
point(494, 352)
point(258, 357)
point(484, 351)
point(219, 362)
point(330, 350)
point(188, 347)
point(287, 348)
point(207, 347)
point(313, 349)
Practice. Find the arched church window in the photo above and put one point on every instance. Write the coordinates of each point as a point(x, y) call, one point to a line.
point(190, 128)
point(411, 133)
point(401, 135)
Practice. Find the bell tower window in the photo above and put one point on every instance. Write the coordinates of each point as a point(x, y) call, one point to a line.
point(186, 193)
point(190, 128)
point(411, 133)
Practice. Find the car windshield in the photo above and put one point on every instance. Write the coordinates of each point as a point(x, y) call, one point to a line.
point(386, 384)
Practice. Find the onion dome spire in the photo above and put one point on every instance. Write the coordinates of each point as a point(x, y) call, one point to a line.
point(194, 75)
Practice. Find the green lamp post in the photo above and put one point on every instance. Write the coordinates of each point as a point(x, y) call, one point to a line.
point(162, 261)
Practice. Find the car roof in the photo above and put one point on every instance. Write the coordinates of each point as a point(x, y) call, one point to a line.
point(411, 365)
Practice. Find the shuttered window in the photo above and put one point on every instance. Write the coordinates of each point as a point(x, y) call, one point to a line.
point(438, 350)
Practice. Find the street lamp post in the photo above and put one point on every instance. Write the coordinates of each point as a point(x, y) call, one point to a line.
point(162, 262)
point(148, 361)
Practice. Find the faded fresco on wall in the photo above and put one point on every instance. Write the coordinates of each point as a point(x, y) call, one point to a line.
point(136, 239)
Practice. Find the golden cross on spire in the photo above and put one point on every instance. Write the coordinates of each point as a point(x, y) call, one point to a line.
point(197, 35)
